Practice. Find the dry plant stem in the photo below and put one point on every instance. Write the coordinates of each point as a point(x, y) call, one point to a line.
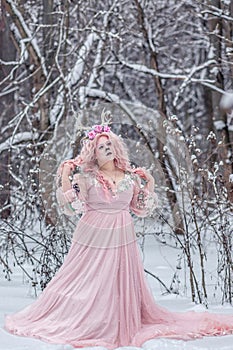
point(187, 250)
point(5, 264)
point(158, 279)
point(226, 243)
point(201, 252)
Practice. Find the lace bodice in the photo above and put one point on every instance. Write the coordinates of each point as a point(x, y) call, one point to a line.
point(88, 194)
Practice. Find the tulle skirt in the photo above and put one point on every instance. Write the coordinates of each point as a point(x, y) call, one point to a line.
point(100, 297)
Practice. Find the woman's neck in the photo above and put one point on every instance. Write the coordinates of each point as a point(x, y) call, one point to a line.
point(109, 166)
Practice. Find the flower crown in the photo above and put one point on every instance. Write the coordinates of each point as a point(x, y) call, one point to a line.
point(97, 129)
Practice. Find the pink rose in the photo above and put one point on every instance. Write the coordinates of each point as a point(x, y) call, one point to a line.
point(91, 134)
point(106, 128)
point(98, 128)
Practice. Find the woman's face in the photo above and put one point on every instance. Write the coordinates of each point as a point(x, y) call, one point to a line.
point(104, 150)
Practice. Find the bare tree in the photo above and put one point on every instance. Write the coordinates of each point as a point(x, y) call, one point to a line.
point(7, 53)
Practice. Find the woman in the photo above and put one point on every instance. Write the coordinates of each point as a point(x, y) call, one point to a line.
point(100, 296)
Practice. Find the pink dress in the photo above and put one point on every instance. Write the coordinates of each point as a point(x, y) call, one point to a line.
point(100, 296)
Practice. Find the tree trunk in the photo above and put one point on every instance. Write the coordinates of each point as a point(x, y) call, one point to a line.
point(219, 116)
point(171, 194)
point(7, 53)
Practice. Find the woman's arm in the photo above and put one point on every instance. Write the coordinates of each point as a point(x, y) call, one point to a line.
point(71, 192)
point(144, 199)
point(65, 180)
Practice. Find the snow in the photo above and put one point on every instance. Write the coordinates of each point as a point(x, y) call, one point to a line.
point(219, 124)
point(227, 100)
point(159, 259)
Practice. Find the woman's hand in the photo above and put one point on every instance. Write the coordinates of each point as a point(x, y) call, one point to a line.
point(68, 166)
point(67, 169)
point(145, 175)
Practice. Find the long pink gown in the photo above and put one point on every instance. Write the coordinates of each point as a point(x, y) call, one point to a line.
point(100, 296)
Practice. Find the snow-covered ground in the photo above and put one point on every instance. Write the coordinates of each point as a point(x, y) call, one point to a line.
point(159, 259)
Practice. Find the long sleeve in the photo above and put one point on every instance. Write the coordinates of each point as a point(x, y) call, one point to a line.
point(72, 201)
point(144, 201)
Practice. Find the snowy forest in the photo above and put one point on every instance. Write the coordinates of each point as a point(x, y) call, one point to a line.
point(164, 70)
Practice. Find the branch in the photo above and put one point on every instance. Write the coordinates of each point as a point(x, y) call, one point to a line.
point(187, 78)
point(218, 13)
point(73, 77)
point(18, 139)
point(143, 69)
point(100, 47)
point(25, 33)
point(159, 280)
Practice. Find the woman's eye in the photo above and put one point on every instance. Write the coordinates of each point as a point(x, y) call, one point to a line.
point(109, 144)
point(100, 147)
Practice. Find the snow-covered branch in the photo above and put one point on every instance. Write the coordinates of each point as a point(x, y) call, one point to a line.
point(143, 69)
point(26, 34)
point(187, 78)
point(19, 138)
point(74, 75)
point(96, 93)
point(100, 46)
point(217, 13)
